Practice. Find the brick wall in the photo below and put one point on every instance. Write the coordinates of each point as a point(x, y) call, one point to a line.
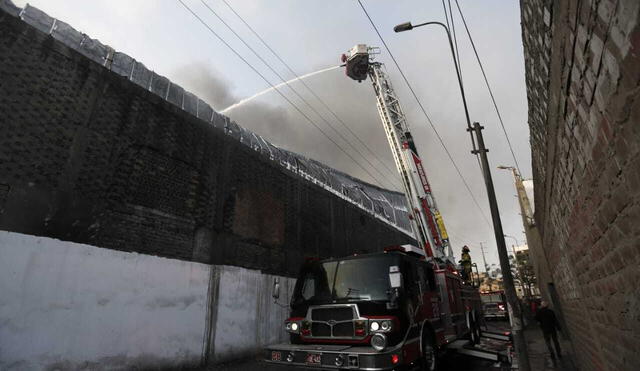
point(583, 75)
point(89, 156)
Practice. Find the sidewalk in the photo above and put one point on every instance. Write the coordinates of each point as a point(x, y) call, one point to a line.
point(539, 357)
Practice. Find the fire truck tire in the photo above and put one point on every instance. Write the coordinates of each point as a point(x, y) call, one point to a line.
point(478, 320)
point(472, 324)
point(429, 359)
point(476, 328)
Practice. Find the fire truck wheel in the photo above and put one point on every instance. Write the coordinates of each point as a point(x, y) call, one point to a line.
point(472, 324)
point(429, 360)
point(475, 328)
point(477, 325)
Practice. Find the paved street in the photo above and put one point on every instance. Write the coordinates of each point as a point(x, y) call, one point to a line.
point(539, 358)
point(450, 362)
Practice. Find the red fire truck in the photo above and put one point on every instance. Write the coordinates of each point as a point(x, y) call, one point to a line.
point(377, 311)
point(399, 307)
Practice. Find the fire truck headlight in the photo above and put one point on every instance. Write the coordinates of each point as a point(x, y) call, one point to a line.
point(379, 342)
point(292, 326)
point(386, 325)
point(374, 326)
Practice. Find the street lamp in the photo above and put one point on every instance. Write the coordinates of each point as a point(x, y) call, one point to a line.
point(514, 239)
point(513, 169)
point(513, 249)
point(407, 26)
point(523, 199)
point(507, 278)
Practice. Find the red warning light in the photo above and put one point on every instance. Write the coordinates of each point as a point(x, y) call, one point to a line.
point(395, 359)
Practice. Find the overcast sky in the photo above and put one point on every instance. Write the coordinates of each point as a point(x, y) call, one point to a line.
point(311, 35)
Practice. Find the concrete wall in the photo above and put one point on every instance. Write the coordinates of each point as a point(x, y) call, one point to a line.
point(247, 317)
point(583, 76)
point(160, 227)
point(91, 156)
point(71, 306)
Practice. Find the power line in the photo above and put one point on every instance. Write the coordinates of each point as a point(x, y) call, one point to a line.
point(278, 91)
point(449, 14)
point(424, 111)
point(446, 16)
point(488, 86)
point(309, 88)
point(294, 90)
point(455, 38)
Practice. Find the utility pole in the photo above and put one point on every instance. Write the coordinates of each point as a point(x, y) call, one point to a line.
point(517, 266)
point(484, 259)
point(516, 263)
point(518, 336)
point(486, 266)
point(510, 291)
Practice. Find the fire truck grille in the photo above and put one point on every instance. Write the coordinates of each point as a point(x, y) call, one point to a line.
point(320, 329)
point(343, 329)
point(334, 321)
point(328, 314)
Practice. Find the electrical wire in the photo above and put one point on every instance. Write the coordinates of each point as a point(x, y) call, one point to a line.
point(295, 91)
point(277, 90)
point(455, 39)
point(324, 104)
point(495, 105)
point(446, 15)
point(449, 14)
point(424, 111)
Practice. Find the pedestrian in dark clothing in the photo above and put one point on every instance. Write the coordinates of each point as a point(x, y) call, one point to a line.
point(549, 324)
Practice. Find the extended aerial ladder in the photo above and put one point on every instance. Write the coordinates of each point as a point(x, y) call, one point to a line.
point(426, 220)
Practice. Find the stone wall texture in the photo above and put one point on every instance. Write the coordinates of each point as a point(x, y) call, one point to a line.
point(583, 74)
point(88, 155)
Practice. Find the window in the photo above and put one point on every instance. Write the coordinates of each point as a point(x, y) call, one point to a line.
point(346, 280)
point(309, 287)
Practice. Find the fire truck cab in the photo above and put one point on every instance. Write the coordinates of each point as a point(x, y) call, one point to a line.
point(377, 311)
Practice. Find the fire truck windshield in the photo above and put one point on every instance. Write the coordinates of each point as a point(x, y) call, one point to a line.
point(365, 278)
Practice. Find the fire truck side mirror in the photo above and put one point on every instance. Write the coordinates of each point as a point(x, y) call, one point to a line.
point(395, 277)
point(395, 281)
point(276, 288)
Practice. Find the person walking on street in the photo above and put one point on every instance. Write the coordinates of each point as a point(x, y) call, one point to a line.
point(549, 324)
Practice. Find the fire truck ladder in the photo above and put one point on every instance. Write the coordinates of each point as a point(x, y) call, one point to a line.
point(426, 220)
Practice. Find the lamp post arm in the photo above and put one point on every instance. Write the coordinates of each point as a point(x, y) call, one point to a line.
point(455, 62)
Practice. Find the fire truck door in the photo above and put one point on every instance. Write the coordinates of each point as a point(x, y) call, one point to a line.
point(430, 296)
point(445, 310)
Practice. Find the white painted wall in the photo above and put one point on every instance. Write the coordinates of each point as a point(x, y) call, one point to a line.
point(77, 306)
point(67, 306)
point(247, 317)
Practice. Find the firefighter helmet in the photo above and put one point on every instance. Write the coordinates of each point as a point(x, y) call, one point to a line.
point(465, 248)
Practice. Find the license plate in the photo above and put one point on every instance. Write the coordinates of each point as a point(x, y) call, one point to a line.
point(313, 358)
point(276, 356)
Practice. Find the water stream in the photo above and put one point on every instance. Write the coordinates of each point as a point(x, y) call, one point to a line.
point(245, 100)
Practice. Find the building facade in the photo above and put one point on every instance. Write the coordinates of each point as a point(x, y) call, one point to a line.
point(583, 73)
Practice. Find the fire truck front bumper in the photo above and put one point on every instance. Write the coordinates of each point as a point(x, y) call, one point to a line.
point(343, 357)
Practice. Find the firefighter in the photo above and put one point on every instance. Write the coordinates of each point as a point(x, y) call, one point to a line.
point(466, 263)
